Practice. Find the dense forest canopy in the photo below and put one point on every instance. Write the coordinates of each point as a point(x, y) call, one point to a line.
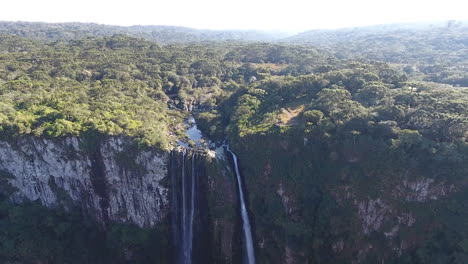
point(161, 34)
point(399, 91)
point(125, 85)
point(431, 52)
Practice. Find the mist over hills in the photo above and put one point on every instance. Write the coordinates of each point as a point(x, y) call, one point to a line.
point(178, 34)
point(161, 34)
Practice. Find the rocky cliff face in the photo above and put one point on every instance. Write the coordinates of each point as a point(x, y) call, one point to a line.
point(113, 181)
point(316, 205)
point(306, 206)
point(106, 183)
point(217, 227)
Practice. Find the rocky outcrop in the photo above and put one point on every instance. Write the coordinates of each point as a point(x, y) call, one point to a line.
point(113, 181)
point(422, 190)
point(107, 183)
point(372, 214)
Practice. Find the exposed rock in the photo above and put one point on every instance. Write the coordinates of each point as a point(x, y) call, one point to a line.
point(406, 219)
point(422, 190)
point(392, 232)
point(289, 256)
point(135, 195)
point(49, 170)
point(288, 203)
point(267, 169)
point(344, 193)
point(372, 214)
point(338, 246)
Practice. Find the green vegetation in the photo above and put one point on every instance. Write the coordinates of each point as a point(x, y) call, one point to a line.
point(161, 34)
point(355, 100)
point(31, 233)
point(360, 114)
point(430, 52)
point(119, 85)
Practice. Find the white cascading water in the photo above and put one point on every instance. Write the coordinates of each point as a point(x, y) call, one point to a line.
point(250, 256)
point(184, 217)
point(175, 213)
point(188, 212)
point(192, 211)
point(185, 257)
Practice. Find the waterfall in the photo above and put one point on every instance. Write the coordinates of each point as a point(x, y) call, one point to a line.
point(192, 211)
point(185, 242)
point(184, 211)
point(183, 207)
point(175, 217)
point(250, 256)
point(186, 221)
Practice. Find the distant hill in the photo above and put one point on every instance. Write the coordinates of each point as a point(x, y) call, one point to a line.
point(345, 158)
point(161, 34)
point(435, 52)
point(397, 43)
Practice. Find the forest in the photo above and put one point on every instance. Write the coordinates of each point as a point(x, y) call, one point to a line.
point(399, 93)
point(68, 87)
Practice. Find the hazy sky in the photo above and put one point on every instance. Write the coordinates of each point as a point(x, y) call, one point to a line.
point(289, 15)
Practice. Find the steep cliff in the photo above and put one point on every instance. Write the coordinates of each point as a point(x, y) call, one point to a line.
point(107, 182)
point(216, 225)
point(322, 203)
point(318, 202)
point(112, 180)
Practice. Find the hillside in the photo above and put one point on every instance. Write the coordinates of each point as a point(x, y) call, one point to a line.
point(161, 34)
point(351, 144)
point(431, 52)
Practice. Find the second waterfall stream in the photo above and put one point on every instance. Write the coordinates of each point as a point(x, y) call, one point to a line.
point(185, 214)
point(249, 250)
